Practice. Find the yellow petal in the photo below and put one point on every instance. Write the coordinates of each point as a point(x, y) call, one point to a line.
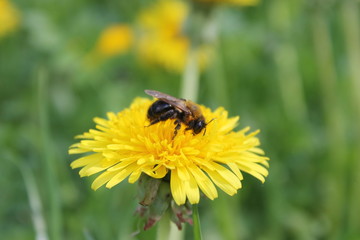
point(134, 176)
point(236, 170)
point(183, 174)
point(91, 169)
point(102, 179)
point(225, 180)
point(259, 173)
point(78, 150)
point(177, 188)
point(120, 147)
point(90, 159)
point(101, 121)
point(257, 151)
point(254, 167)
point(230, 125)
point(228, 175)
point(160, 172)
point(119, 177)
point(192, 190)
point(204, 183)
point(123, 164)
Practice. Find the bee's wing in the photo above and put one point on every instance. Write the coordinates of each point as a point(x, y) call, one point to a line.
point(176, 102)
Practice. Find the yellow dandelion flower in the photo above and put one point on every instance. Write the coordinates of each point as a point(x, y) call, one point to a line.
point(9, 17)
point(159, 50)
point(161, 40)
point(114, 40)
point(235, 2)
point(165, 16)
point(123, 147)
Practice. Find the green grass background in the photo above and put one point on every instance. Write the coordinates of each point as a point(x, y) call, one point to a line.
point(289, 68)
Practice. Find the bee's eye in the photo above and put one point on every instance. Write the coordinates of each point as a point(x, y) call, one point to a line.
point(199, 125)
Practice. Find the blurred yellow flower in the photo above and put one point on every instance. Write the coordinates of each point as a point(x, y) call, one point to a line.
point(161, 41)
point(166, 17)
point(9, 17)
point(115, 40)
point(122, 147)
point(170, 53)
point(236, 2)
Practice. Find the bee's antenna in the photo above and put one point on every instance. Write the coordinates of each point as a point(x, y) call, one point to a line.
point(207, 124)
point(211, 121)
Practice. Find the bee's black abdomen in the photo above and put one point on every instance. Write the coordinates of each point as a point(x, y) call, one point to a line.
point(157, 109)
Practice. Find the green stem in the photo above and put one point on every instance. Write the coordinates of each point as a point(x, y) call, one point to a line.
point(175, 233)
point(190, 81)
point(216, 74)
point(168, 230)
point(196, 219)
point(163, 228)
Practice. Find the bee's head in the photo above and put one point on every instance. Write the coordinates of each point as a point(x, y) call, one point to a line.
point(199, 126)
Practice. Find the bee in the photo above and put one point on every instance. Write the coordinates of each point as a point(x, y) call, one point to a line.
point(182, 110)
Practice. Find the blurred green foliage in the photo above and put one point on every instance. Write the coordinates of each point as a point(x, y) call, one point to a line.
point(289, 68)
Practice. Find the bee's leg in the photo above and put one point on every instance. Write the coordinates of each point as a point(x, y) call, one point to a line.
point(177, 127)
point(153, 122)
point(164, 116)
point(190, 127)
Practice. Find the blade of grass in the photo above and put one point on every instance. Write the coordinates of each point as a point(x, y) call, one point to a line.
point(335, 165)
point(286, 60)
point(48, 159)
point(350, 20)
point(35, 203)
point(226, 211)
point(216, 77)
